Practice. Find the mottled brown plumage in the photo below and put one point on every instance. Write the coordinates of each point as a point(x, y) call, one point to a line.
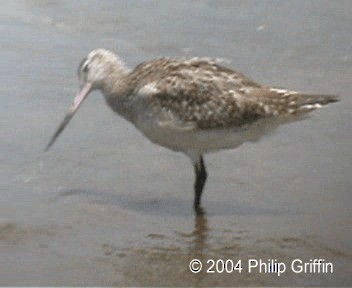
point(190, 105)
point(201, 92)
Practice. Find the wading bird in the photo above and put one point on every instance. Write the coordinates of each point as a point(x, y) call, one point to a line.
point(194, 106)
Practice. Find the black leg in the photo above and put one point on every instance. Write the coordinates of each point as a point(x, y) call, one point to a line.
point(201, 177)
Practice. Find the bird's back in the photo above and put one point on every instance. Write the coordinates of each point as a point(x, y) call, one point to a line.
point(202, 93)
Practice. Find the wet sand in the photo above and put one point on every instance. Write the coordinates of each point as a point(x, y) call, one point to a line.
point(105, 207)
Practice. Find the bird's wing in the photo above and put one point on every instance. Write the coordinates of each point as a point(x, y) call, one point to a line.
point(205, 95)
point(195, 93)
point(283, 102)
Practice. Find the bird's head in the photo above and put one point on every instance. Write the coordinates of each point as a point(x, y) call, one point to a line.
point(96, 67)
point(93, 71)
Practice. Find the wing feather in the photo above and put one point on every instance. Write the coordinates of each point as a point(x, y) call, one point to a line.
point(200, 93)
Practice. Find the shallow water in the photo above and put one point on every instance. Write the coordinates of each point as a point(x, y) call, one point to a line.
point(106, 207)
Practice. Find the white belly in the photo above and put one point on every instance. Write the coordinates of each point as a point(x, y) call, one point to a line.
point(195, 140)
point(188, 138)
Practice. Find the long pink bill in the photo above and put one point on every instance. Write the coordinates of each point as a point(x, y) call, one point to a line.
point(81, 95)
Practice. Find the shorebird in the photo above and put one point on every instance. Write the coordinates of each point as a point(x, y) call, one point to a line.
point(194, 106)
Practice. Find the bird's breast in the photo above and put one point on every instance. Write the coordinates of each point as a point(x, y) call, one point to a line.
point(186, 136)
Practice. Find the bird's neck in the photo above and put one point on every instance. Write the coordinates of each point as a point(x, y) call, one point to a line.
point(115, 84)
point(116, 90)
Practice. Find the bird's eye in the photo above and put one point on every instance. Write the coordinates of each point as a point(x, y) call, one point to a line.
point(85, 68)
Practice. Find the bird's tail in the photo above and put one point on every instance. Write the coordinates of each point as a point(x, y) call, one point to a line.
point(292, 106)
point(307, 102)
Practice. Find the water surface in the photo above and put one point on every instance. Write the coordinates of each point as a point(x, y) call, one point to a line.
point(106, 207)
